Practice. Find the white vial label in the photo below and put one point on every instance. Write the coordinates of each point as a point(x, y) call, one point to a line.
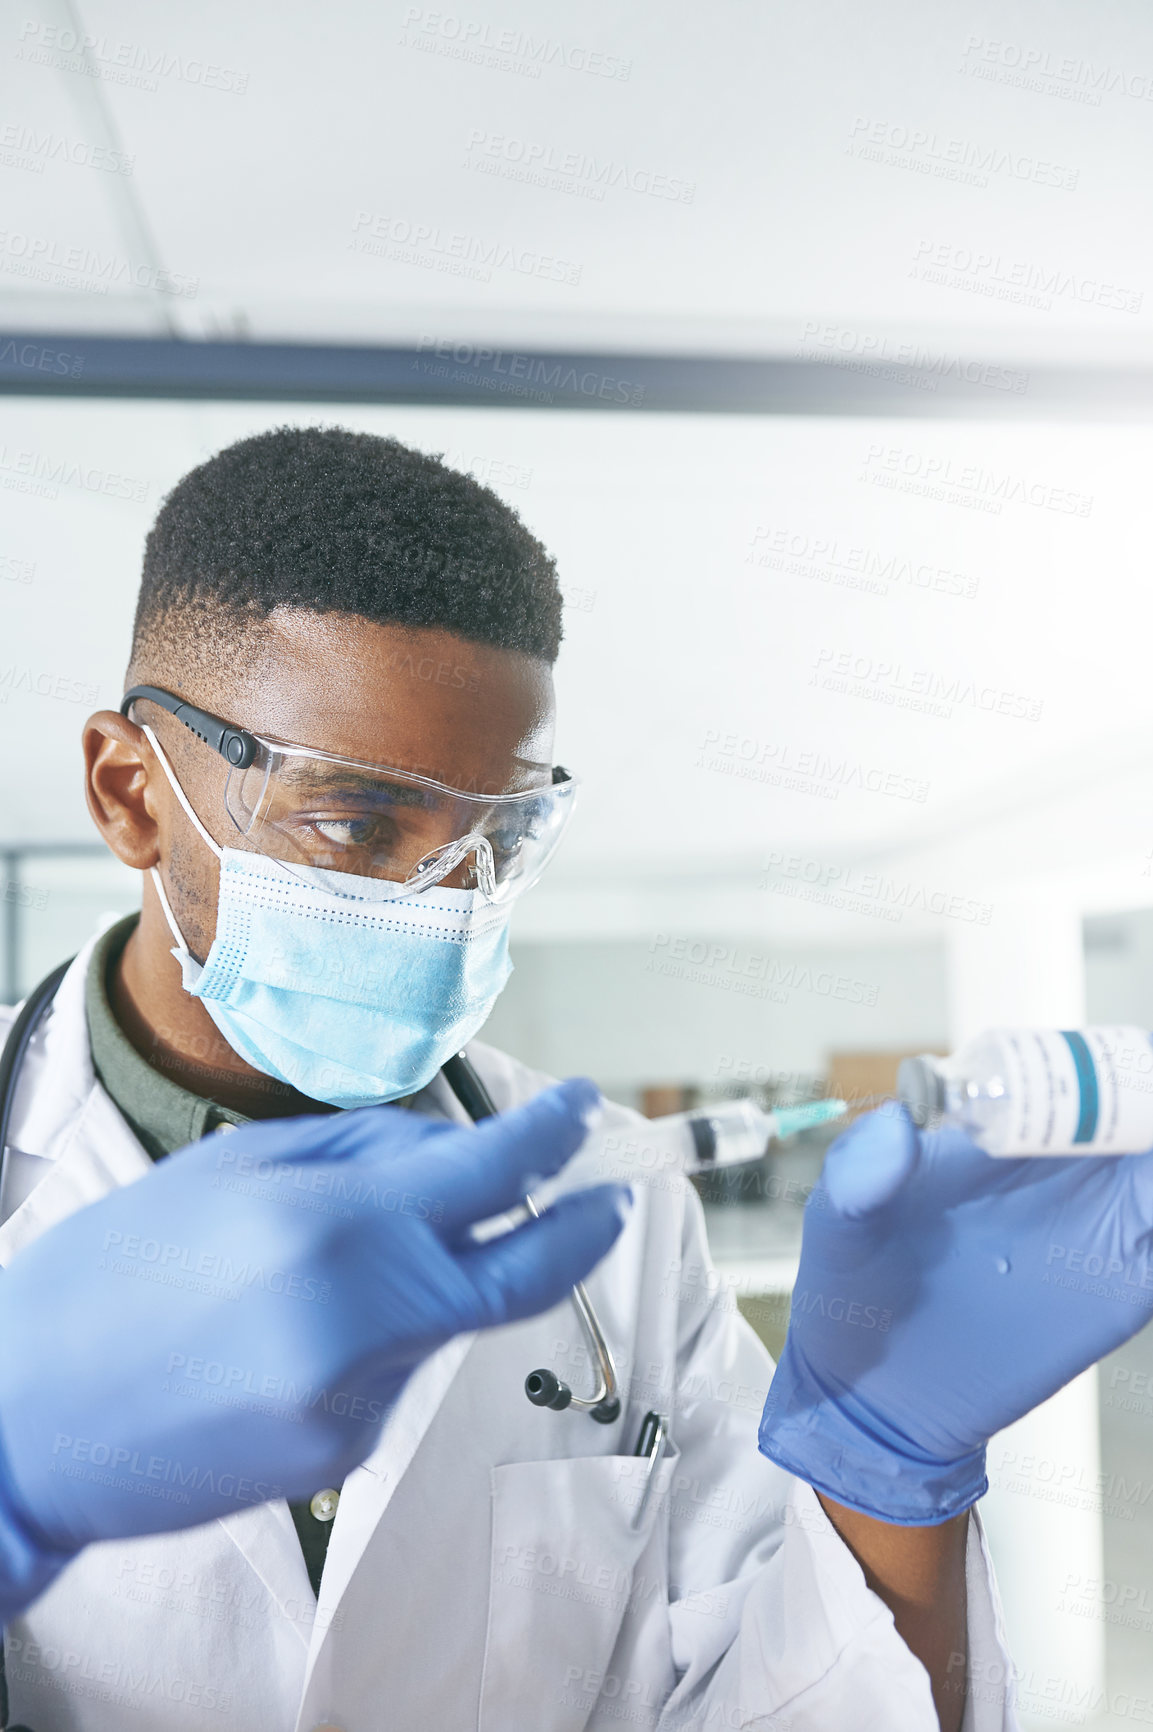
point(1076, 1092)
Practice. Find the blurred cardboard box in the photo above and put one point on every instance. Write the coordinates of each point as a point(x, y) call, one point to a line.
point(865, 1078)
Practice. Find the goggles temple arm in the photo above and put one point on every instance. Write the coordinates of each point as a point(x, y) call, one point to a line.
point(237, 747)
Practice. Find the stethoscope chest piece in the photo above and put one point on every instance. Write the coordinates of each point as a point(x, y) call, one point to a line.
point(545, 1389)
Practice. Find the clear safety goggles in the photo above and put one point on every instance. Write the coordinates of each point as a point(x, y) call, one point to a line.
point(318, 814)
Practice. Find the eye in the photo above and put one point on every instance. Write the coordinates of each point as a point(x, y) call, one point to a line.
point(350, 832)
point(506, 842)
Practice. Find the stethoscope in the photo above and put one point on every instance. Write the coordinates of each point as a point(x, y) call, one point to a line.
point(11, 1058)
point(543, 1388)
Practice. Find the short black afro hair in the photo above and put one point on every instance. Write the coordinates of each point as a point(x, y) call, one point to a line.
point(341, 522)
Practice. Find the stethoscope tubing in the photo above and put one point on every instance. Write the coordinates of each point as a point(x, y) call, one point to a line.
point(604, 1405)
point(11, 1058)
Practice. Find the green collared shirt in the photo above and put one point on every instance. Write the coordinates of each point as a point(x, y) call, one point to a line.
point(165, 1116)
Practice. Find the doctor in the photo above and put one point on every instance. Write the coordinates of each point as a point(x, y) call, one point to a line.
point(330, 842)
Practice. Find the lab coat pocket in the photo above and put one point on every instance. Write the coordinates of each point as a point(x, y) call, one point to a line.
point(564, 1554)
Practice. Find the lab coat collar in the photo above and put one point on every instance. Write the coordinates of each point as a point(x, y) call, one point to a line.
point(63, 1115)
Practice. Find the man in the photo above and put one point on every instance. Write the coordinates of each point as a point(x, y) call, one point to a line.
point(331, 833)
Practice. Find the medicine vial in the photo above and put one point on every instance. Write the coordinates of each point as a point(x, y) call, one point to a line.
point(1040, 1091)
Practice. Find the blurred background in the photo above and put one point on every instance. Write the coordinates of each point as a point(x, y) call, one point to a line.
point(817, 344)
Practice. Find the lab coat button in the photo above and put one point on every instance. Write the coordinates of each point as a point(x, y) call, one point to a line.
point(324, 1506)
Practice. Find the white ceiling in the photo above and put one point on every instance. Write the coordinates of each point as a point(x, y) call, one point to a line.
point(267, 143)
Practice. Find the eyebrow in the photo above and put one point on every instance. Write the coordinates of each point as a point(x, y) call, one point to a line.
point(346, 783)
point(298, 766)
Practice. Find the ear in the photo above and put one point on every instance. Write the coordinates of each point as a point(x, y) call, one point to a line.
point(122, 788)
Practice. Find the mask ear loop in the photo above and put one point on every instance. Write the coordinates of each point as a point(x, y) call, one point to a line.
point(166, 908)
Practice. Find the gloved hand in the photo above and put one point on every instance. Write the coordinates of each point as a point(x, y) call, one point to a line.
point(233, 1326)
point(941, 1295)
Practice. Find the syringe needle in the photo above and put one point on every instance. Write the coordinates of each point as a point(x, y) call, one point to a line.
point(789, 1120)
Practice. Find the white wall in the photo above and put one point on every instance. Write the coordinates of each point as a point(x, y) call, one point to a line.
point(608, 1010)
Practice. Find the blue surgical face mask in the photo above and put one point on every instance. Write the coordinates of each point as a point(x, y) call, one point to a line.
point(349, 1001)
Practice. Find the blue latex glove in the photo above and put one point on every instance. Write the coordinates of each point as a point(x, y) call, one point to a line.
point(941, 1295)
point(234, 1326)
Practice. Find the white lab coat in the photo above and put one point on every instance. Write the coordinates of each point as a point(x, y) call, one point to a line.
point(483, 1572)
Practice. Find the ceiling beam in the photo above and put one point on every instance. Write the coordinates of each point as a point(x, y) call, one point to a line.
point(441, 371)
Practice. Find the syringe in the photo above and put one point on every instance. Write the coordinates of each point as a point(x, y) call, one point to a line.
point(706, 1140)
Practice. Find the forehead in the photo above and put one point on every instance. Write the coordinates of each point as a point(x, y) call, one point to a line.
point(464, 713)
